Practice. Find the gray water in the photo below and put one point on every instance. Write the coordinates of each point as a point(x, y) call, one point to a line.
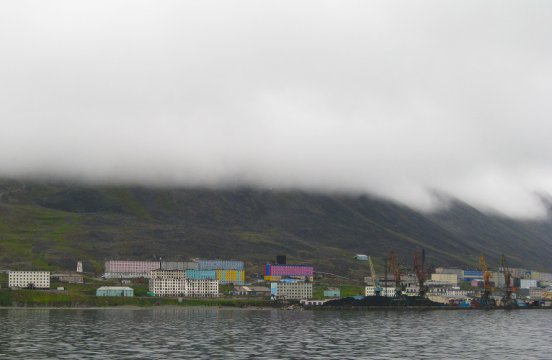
point(176, 333)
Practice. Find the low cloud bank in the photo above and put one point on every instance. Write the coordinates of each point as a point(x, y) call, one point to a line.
point(396, 99)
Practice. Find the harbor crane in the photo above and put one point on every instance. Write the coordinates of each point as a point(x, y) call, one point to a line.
point(375, 280)
point(396, 271)
point(485, 300)
point(419, 269)
point(507, 300)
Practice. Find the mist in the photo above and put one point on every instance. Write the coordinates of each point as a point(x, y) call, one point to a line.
point(396, 99)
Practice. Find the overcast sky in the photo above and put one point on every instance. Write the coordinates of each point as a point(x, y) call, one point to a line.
point(394, 98)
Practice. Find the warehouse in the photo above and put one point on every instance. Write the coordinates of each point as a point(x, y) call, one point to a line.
point(115, 291)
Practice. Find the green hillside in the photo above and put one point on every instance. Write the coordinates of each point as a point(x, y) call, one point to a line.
point(44, 225)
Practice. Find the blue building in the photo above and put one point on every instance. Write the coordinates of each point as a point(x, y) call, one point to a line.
point(201, 274)
point(115, 291)
point(332, 293)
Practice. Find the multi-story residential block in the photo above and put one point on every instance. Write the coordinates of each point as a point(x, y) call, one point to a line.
point(29, 279)
point(175, 283)
point(179, 265)
point(122, 269)
point(236, 277)
point(202, 288)
point(291, 290)
point(274, 272)
point(218, 264)
point(167, 282)
point(201, 274)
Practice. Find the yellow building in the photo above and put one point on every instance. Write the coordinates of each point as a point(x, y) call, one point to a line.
point(236, 277)
point(446, 278)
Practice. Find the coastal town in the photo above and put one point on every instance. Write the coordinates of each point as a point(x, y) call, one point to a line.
point(288, 284)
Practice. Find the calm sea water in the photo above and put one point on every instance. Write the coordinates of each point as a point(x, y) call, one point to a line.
point(176, 333)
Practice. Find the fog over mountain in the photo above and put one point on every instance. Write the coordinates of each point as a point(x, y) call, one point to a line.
point(398, 99)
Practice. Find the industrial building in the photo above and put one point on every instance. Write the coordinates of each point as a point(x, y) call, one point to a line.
point(445, 278)
point(29, 279)
point(470, 275)
point(291, 290)
point(251, 290)
point(115, 291)
point(332, 292)
point(385, 291)
point(68, 278)
point(526, 283)
point(459, 272)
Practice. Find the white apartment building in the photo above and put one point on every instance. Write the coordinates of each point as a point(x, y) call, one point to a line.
point(128, 269)
point(385, 291)
point(25, 279)
point(174, 283)
point(167, 282)
point(202, 287)
point(291, 290)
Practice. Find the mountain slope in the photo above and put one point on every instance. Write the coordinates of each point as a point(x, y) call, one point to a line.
point(52, 225)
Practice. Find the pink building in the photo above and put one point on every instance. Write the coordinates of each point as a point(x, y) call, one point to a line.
point(129, 269)
point(288, 270)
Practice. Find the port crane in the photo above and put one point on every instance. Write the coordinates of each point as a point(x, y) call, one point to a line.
point(419, 269)
point(395, 269)
point(507, 300)
point(375, 280)
point(485, 300)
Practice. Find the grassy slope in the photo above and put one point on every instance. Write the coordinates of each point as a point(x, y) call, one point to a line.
point(51, 226)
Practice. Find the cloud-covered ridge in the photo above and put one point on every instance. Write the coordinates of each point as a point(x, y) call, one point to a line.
point(397, 99)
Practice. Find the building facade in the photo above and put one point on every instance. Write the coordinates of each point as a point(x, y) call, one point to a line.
point(175, 283)
point(127, 269)
point(291, 290)
point(201, 274)
point(332, 292)
point(202, 288)
point(385, 291)
point(178, 265)
point(217, 264)
point(445, 278)
point(274, 272)
point(236, 277)
point(68, 278)
point(115, 291)
point(167, 282)
point(29, 279)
